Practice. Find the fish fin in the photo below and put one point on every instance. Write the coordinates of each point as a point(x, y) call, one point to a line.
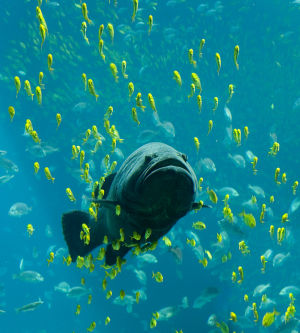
point(111, 254)
point(184, 303)
point(72, 225)
point(129, 308)
point(198, 205)
point(107, 184)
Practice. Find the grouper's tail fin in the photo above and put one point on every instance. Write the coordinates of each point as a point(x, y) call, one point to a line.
point(72, 226)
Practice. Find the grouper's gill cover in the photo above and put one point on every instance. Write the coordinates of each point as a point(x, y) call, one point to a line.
point(155, 186)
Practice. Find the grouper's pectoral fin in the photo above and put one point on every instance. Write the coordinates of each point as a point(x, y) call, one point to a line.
point(111, 254)
point(107, 184)
point(72, 226)
point(199, 205)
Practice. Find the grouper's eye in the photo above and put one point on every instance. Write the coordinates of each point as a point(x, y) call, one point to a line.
point(185, 158)
point(147, 158)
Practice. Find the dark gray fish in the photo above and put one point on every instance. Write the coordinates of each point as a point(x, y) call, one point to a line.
point(231, 227)
point(154, 187)
point(206, 296)
point(287, 327)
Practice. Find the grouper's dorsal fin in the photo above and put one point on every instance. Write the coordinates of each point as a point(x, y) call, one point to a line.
point(107, 184)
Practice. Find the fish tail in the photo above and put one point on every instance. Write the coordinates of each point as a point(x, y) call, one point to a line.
point(72, 226)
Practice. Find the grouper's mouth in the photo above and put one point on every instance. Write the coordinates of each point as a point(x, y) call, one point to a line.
point(163, 165)
point(167, 189)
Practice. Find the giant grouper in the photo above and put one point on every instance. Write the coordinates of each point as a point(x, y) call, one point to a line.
point(154, 188)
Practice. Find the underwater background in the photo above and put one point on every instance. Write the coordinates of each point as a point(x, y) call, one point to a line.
point(206, 273)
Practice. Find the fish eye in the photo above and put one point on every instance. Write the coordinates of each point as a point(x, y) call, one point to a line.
point(184, 156)
point(147, 158)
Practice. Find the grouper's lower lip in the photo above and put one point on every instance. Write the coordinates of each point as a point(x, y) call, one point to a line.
point(169, 171)
point(160, 165)
point(169, 162)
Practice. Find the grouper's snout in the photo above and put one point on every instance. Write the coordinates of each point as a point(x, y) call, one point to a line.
point(169, 190)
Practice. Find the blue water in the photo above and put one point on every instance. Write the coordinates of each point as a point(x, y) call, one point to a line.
point(266, 89)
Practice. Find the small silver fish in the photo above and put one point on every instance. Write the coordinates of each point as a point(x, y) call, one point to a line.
point(233, 227)
point(207, 295)
point(8, 165)
point(141, 276)
point(212, 319)
point(249, 155)
point(30, 307)
point(29, 276)
point(267, 304)
point(77, 292)
point(146, 258)
point(206, 165)
point(227, 141)
point(227, 114)
point(147, 136)
point(127, 301)
point(280, 258)
point(296, 104)
point(261, 289)
point(41, 150)
point(238, 160)
point(19, 209)
point(295, 204)
point(63, 287)
point(52, 3)
point(289, 289)
point(6, 178)
point(257, 190)
point(268, 254)
point(250, 205)
point(80, 107)
point(166, 128)
point(48, 231)
point(232, 192)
